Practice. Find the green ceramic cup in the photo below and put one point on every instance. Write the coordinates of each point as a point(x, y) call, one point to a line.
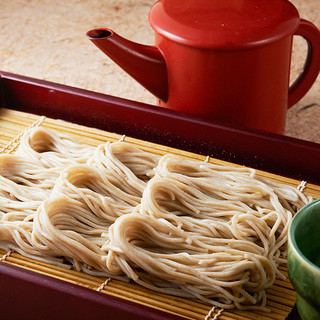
point(304, 260)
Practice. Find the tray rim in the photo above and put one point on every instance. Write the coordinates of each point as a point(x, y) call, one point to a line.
point(271, 152)
point(14, 91)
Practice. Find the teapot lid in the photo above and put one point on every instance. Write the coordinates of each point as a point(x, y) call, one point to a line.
point(224, 24)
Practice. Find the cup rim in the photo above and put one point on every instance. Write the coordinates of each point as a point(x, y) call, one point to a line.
point(294, 246)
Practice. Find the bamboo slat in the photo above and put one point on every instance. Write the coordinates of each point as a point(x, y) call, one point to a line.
point(281, 296)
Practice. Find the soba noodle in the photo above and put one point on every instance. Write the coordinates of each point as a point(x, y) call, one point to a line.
point(52, 150)
point(131, 166)
point(214, 231)
point(187, 228)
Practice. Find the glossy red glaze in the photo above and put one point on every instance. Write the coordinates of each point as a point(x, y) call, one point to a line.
point(241, 72)
point(312, 65)
point(224, 25)
point(246, 87)
point(144, 63)
point(222, 60)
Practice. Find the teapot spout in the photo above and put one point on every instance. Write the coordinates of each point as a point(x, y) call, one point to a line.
point(144, 63)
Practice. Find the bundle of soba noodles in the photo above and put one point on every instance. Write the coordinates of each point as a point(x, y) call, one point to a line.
point(48, 165)
point(27, 179)
point(181, 227)
point(213, 231)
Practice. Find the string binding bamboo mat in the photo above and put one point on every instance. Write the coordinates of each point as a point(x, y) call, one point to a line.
point(281, 296)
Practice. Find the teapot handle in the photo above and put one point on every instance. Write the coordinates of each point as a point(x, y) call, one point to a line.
point(312, 65)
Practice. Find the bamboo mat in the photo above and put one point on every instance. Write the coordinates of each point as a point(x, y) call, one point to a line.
point(281, 296)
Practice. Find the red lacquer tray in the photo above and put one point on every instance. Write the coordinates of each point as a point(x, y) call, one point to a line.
point(24, 292)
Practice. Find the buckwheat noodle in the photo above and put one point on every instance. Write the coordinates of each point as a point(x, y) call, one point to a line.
point(214, 231)
point(186, 228)
point(131, 166)
point(52, 149)
point(27, 179)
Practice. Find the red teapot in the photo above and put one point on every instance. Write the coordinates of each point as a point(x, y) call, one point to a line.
point(226, 60)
